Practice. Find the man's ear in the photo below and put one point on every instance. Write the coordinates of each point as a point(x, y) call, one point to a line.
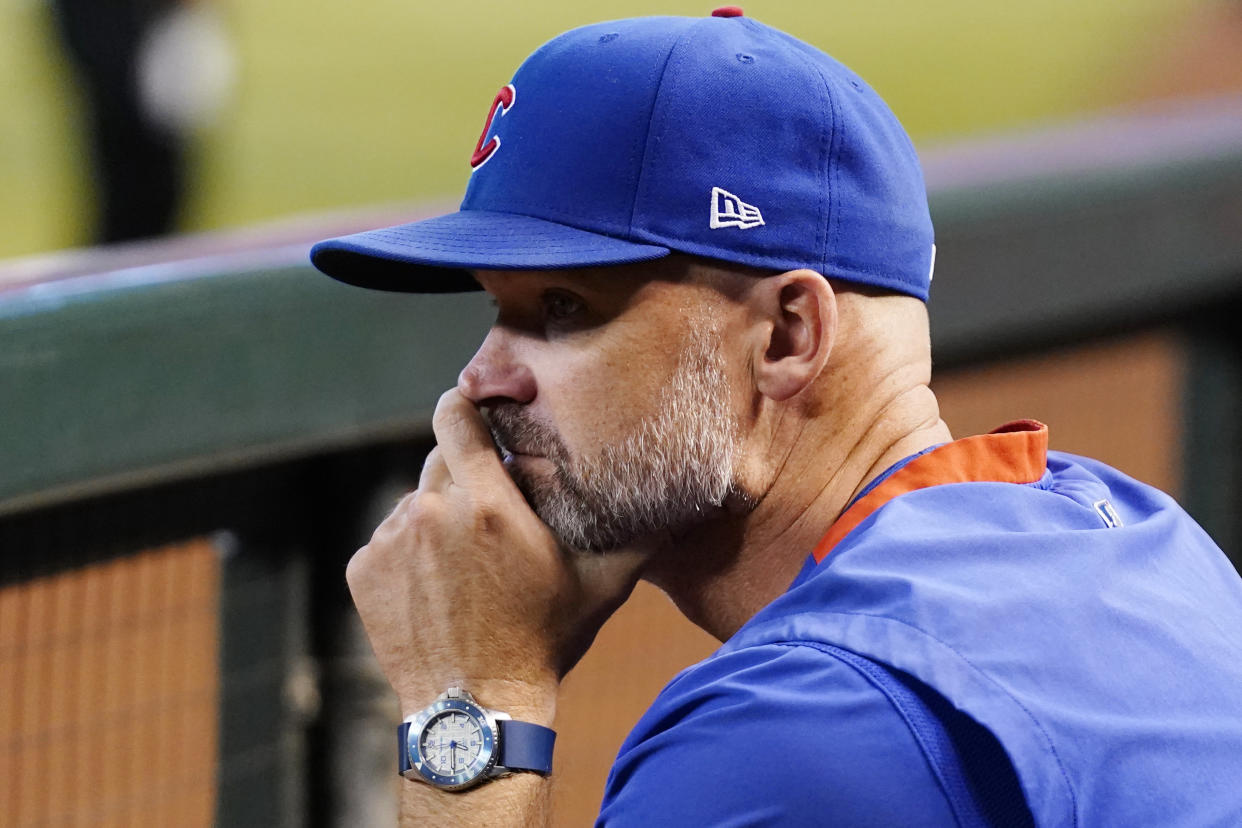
point(798, 311)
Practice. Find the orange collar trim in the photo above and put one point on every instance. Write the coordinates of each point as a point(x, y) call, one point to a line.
point(1016, 452)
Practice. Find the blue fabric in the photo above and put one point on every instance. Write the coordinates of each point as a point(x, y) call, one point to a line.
point(619, 137)
point(458, 242)
point(1106, 662)
point(525, 746)
point(776, 734)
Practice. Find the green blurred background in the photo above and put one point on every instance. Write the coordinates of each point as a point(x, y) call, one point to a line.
point(340, 104)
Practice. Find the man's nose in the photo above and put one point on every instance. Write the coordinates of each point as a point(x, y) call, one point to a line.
point(496, 372)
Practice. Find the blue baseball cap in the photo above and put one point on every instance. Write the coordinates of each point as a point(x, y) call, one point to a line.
point(622, 142)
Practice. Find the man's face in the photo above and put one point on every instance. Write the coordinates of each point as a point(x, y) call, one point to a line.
point(611, 398)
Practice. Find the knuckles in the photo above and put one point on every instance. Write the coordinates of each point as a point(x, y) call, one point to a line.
point(488, 519)
point(427, 515)
point(357, 568)
point(428, 528)
point(418, 521)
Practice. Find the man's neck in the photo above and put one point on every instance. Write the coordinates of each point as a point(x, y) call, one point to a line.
point(723, 572)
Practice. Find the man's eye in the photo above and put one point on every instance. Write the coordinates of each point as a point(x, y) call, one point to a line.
point(558, 306)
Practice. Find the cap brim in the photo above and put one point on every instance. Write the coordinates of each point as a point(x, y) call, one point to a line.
point(436, 255)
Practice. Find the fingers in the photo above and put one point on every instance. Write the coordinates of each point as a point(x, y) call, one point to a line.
point(464, 441)
point(435, 475)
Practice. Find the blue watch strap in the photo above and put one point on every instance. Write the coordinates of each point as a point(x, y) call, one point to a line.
point(526, 746)
point(403, 748)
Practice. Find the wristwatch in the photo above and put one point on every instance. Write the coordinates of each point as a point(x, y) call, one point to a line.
point(455, 743)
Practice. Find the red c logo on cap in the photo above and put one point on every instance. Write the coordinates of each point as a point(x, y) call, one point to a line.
point(502, 103)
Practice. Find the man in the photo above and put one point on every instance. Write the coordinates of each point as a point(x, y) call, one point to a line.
point(709, 249)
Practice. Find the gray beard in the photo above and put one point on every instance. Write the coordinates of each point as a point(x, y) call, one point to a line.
point(670, 472)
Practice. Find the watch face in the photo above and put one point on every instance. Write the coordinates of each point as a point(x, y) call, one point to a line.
point(452, 743)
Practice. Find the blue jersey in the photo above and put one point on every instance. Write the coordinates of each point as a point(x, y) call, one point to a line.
point(993, 634)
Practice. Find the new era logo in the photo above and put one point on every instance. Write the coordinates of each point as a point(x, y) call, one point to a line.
point(730, 211)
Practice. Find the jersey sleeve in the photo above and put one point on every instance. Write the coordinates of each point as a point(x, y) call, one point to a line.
point(778, 734)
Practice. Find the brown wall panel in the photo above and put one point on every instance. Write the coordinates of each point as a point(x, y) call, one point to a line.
point(1118, 401)
point(11, 606)
point(109, 692)
point(641, 647)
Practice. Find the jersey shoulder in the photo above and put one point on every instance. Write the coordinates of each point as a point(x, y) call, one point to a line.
point(789, 734)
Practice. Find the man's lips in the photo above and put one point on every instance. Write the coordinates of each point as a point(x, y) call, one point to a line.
point(508, 449)
point(525, 463)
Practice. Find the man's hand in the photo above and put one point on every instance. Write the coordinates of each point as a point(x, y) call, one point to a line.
point(464, 584)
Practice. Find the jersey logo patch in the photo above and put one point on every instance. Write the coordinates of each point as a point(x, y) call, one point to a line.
point(1108, 514)
point(485, 149)
point(730, 211)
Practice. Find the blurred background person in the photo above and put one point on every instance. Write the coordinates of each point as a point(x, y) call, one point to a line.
point(151, 72)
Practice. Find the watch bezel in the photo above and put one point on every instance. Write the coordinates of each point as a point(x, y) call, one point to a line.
point(478, 769)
